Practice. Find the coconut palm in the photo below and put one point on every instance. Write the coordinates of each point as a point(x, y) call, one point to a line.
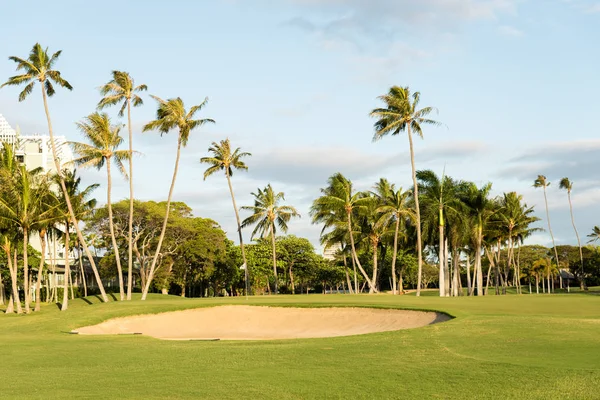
point(394, 208)
point(267, 211)
point(567, 185)
point(402, 114)
point(82, 206)
point(542, 182)
point(223, 159)
point(595, 235)
point(24, 205)
point(172, 114)
point(336, 206)
point(103, 149)
point(122, 89)
point(38, 67)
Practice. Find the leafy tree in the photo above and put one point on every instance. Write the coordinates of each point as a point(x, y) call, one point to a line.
point(542, 182)
point(122, 89)
point(265, 212)
point(172, 114)
point(402, 114)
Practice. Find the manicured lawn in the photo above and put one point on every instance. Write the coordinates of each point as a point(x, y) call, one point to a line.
point(527, 346)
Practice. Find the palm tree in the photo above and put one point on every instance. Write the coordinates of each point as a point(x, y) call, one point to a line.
point(394, 208)
point(542, 182)
point(265, 212)
point(82, 207)
point(172, 114)
point(438, 196)
point(24, 205)
point(402, 114)
point(122, 89)
point(566, 184)
point(104, 140)
point(39, 67)
point(335, 207)
point(595, 235)
point(224, 159)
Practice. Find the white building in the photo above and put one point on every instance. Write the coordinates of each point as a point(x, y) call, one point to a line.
point(7, 133)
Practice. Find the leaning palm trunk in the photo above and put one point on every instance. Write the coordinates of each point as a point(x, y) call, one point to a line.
point(356, 290)
point(582, 280)
point(355, 257)
point(83, 280)
point(65, 302)
point(239, 229)
point(130, 222)
point(165, 221)
point(348, 281)
point(38, 286)
point(442, 278)
point(112, 229)
point(394, 287)
point(468, 262)
point(274, 256)
point(68, 199)
point(417, 212)
point(372, 289)
point(14, 298)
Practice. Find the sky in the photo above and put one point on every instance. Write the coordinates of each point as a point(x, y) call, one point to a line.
point(293, 82)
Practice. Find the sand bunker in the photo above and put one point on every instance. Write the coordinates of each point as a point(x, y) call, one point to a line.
point(264, 323)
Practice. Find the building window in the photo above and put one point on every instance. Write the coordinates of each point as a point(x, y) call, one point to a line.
point(20, 158)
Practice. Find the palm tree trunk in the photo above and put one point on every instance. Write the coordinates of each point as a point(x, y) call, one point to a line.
point(274, 256)
point(65, 302)
point(112, 228)
point(582, 280)
point(468, 262)
point(446, 269)
point(374, 279)
point(164, 227)
point(355, 257)
point(478, 263)
point(417, 211)
point(239, 228)
point(456, 290)
point(38, 286)
point(15, 299)
point(130, 222)
point(26, 270)
point(550, 229)
point(394, 256)
point(348, 281)
point(442, 271)
point(82, 273)
point(356, 290)
point(68, 200)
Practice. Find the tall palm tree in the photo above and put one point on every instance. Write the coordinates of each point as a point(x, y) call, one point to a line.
point(402, 114)
point(223, 159)
point(172, 114)
point(267, 211)
point(38, 67)
point(336, 206)
point(394, 208)
point(567, 185)
point(542, 182)
point(122, 89)
point(103, 148)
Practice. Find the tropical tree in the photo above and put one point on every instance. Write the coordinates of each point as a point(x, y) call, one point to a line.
point(39, 67)
point(542, 182)
point(394, 208)
point(121, 89)
point(402, 114)
point(103, 148)
point(223, 159)
point(337, 205)
point(595, 235)
point(172, 114)
point(567, 185)
point(266, 212)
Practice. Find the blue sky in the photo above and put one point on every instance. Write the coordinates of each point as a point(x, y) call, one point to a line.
point(293, 81)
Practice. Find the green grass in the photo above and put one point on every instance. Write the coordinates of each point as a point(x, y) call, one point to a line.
point(528, 346)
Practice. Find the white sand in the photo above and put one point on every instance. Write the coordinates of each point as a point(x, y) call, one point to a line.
point(263, 323)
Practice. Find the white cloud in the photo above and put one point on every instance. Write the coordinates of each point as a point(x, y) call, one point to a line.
point(508, 30)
